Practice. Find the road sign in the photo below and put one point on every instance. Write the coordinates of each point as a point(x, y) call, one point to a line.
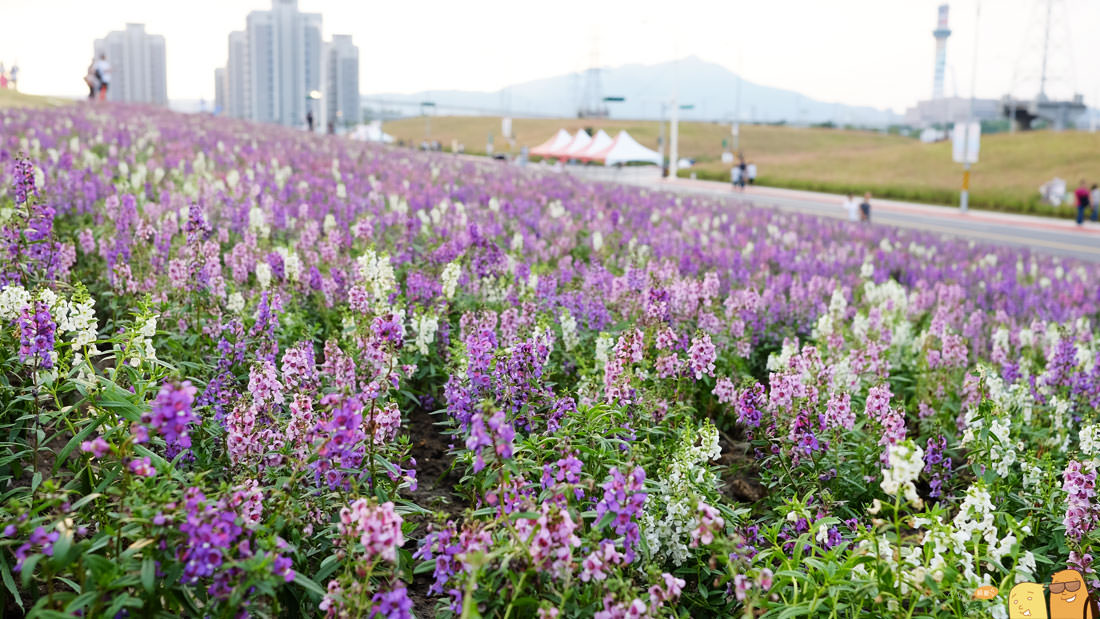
point(966, 141)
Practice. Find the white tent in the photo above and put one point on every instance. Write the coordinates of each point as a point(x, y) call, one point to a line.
point(372, 133)
point(580, 142)
point(547, 148)
point(599, 143)
point(624, 149)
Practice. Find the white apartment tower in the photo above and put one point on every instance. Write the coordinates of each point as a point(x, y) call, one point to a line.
point(340, 68)
point(138, 65)
point(277, 69)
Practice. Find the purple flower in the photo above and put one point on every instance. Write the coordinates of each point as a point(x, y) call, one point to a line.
point(36, 336)
point(97, 447)
point(623, 498)
point(171, 416)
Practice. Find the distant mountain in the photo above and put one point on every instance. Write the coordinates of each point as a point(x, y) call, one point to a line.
point(711, 88)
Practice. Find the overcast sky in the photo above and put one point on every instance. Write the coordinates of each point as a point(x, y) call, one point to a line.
point(869, 52)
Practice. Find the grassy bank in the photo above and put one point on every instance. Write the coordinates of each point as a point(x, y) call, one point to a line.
point(12, 98)
point(1007, 178)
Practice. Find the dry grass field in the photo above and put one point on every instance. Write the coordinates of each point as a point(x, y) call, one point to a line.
point(1008, 176)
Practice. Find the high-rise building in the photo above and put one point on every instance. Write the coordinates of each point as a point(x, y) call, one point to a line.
point(283, 62)
point(138, 65)
point(219, 91)
point(340, 68)
point(237, 90)
point(278, 69)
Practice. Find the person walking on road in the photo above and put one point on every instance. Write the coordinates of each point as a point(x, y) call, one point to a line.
point(744, 172)
point(851, 206)
point(865, 208)
point(1082, 195)
point(103, 75)
point(1094, 199)
point(735, 177)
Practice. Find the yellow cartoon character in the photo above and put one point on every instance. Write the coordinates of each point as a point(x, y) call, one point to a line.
point(1027, 600)
point(1069, 598)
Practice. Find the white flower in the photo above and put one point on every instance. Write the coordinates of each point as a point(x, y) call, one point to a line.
point(597, 240)
point(263, 274)
point(425, 325)
point(12, 301)
point(235, 303)
point(906, 462)
point(603, 345)
point(450, 279)
point(377, 273)
point(569, 330)
point(257, 222)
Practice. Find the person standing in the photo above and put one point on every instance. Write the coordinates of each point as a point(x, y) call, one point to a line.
point(90, 80)
point(309, 120)
point(14, 77)
point(752, 173)
point(735, 177)
point(851, 206)
point(103, 75)
point(1082, 195)
point(865, 208)
point(744, 172)
point(1094, 199)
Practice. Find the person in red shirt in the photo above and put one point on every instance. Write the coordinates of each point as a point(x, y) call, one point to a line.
point(1082, 195)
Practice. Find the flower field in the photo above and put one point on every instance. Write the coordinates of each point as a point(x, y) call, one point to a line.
point(248, 371)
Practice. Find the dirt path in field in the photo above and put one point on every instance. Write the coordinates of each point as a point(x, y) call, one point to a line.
point(436, 482)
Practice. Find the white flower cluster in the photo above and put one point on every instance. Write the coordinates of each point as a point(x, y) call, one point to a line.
point(783, 359)
point(12, 301)
point(1089, 438)
point(906, 462)
point(235, 302)
point(450, 279)
point(425, 326)
point(569, 330)
point(826, 323)
point(263, 274)
point(292, 264)
point(257, 222)
point(670, 511)
point(142, 345)
point(377, 272)
point(603, 346)
point(79, 320)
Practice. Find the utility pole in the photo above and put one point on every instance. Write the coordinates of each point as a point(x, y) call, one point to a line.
point(661, 138)
point(964, 195)
point(1046, 48)
point(674, 127)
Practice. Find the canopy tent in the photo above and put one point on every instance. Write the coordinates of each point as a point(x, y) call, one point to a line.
point(580, 142)
point(598, 143)
point(548, 148)
point(623, 149)
point(372, 133)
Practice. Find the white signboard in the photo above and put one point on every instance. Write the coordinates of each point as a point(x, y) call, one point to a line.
point(506, 127)
point(966, 141)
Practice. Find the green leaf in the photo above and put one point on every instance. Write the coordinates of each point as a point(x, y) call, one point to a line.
point(9, 582)
point(424, 567)
point(27, 570)
point(306, 583)
point(148, 574)
point(63, 455)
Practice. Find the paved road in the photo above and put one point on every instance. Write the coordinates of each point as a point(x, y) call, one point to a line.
point(1051, 236)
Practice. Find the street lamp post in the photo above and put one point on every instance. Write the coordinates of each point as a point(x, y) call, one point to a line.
point(964, 195)
point(427, 119)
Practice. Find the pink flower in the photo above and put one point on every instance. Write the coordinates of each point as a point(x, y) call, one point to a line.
point(97, 447)
point(378, 528)
point(142, 467)
point(701, 356)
